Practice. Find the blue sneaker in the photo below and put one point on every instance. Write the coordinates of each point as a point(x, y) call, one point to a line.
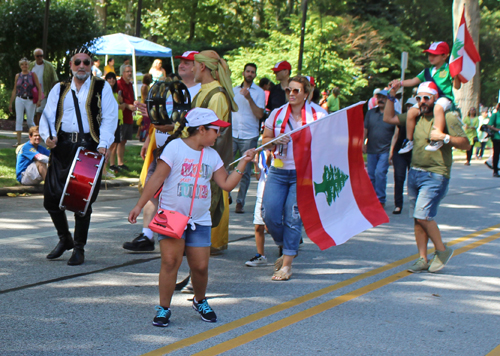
point(207, 313)
point(162, 316)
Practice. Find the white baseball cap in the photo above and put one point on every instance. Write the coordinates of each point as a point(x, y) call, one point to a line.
point(200, 116)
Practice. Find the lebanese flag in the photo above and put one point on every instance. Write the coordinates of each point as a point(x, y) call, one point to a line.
point(464, 55)
point(335, 196)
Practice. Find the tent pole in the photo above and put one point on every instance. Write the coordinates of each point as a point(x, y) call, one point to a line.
point(105, 61)
point(172, 61)
point(134, 73)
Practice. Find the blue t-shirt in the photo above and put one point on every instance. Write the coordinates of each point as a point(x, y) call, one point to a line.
point(26, 156)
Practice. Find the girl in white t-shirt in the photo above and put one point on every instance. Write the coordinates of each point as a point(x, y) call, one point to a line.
point(176, 170)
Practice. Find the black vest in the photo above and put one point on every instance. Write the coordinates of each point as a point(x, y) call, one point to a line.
point(93, 106)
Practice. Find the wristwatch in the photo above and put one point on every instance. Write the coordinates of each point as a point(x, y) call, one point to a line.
point(446, 139)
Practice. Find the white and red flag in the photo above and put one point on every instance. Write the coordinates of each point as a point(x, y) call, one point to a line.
point(464, 55)
point(335, 197)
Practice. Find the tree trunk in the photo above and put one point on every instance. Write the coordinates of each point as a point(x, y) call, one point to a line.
point(192, 21)
point(468, 95)
point(102, 13)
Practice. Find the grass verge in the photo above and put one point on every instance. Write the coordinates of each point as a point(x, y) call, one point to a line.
point(8, 165)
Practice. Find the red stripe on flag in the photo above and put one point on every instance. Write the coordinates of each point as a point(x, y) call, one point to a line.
point(305, 191)
point(469, 45)
point(362, 188)
point(456, 68)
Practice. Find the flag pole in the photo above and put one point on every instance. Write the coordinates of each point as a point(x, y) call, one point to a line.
point(299, 128)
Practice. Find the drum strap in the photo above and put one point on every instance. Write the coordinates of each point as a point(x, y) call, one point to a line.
point(78, 116)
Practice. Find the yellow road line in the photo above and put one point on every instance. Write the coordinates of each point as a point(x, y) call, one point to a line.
point(280, 324)
point(494, 352)
point(297, 301)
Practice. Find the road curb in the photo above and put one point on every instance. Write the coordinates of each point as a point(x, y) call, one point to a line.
point(38, 189)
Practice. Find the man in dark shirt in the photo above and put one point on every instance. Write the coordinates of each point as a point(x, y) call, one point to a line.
point(277, 96)
point(377, 144)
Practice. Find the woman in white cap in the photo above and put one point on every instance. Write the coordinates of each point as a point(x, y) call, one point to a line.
point(177, 169)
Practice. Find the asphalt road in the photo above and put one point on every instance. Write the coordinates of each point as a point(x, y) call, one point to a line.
point(354, 299)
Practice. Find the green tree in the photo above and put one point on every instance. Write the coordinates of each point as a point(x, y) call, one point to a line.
point(71, 24)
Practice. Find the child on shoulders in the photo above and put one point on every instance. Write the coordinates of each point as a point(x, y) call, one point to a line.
point(438, 53)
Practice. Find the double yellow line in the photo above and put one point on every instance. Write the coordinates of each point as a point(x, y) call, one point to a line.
point(270, 328)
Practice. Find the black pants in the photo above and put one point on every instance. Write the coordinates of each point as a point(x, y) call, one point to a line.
point(401, 165)
point(469, 152)
point(496, 154)
point(61, 159)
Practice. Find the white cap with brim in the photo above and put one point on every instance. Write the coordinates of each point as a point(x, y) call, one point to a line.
point(200, 116)
point(411, 101)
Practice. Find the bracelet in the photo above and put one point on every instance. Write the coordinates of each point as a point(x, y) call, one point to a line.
point(238, 171)
point(391, 98)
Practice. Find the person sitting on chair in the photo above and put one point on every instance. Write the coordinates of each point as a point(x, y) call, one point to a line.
point(32, 160)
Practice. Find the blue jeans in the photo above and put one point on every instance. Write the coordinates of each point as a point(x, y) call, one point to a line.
point(425, 192)
point(378, 165)
point(242, 145)
point(280, 211)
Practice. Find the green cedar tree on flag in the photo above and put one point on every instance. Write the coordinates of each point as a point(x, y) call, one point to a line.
point(464, 55)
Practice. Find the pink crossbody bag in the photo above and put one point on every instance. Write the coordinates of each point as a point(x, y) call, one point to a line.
point(172, 223)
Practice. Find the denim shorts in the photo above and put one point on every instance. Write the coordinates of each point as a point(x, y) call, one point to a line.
point(201, 237)
point(425, 192)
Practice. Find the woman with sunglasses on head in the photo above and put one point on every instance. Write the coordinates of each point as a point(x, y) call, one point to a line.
point(279, 203)
point(23, 94)
point(185, 160)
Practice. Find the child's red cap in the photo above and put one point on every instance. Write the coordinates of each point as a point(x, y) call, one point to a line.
point(438, 48)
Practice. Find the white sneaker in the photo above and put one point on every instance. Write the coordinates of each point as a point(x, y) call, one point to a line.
point(434, 146)
point(109, 175)
point(407, 147)
point(188, 288)
point(256, 261)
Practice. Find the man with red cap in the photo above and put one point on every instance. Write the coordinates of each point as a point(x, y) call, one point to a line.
point(185, 70)
point(144, 241)
point(439, 74)
point(277, 96)
point(429, 174)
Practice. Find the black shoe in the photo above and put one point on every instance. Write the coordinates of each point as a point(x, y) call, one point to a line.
point(77, 258)
point(113, 168)
point(123, 168)
point(63, 245)
point(140, 244)
point(496, 175)
point(207, 314)
point(397, 210)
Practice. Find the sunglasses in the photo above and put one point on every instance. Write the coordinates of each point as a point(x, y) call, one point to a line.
point(294, 91)
point(420, 97)
point(86, 62)
point(216, 128)
point(39, 55)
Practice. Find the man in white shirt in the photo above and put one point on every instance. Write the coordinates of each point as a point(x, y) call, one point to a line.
point(251, 101)
point(144, 241)
point(47, 77)
point(82, 112)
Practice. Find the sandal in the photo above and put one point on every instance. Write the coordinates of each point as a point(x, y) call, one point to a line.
point(278, 264)
point(397, 210)
point(282, 275)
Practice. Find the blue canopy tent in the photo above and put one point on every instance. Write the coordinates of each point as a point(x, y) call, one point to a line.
point(120, 44)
